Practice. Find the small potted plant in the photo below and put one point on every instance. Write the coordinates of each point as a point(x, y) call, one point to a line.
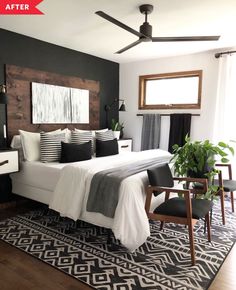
point(198, 158)
point(117, 128)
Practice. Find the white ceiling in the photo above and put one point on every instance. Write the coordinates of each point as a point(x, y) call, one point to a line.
point(73, 24)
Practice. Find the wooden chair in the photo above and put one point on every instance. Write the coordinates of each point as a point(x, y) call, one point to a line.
point(181, 210)
point(225, 185)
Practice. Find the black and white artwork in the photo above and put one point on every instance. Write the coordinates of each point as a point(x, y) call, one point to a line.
point(79, 106)
point(59, 105)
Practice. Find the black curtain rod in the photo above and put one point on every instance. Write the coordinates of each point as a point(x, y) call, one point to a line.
point(219, 54)
point(162, 115)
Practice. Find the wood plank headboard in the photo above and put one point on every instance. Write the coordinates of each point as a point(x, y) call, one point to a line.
point(18, 81)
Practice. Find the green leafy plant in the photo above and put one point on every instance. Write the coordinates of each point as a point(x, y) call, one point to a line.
point(116, 125)
point(198, 159)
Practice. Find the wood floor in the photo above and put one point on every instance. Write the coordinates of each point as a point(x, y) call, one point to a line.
point(20, 271)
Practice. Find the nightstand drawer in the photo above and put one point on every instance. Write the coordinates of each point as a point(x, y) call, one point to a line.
point(9, 161)
point(125, 145)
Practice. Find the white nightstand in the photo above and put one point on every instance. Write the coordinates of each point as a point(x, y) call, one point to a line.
point(125, 145)
point(9, 161)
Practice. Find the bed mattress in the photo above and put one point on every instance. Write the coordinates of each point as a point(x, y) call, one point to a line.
point(36, 180)
point(38, 174)
point(65, 188)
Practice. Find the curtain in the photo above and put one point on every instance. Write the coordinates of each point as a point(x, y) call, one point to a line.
point(151, 131)
point(180, 125)
point(225, 113)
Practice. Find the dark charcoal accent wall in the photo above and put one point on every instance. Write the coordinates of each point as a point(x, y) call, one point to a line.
point(32, 53)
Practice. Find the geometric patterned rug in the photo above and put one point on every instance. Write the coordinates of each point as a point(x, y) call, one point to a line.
point(80, 249)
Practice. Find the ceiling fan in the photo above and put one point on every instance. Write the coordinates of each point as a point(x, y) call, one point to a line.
point(145, 30)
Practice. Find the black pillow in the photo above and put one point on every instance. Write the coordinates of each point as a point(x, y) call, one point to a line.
point(75, 152)
point(106, 148)
point(160, 175)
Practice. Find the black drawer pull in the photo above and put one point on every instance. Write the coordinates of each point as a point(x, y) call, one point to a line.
point(124, 146)
point(4, 162)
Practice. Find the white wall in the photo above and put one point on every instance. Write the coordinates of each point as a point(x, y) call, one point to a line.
point(201, 127)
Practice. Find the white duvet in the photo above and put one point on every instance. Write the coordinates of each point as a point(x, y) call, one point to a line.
point(130, 224)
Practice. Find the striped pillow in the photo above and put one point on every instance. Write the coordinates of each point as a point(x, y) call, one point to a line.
point(50, 146)
point(105, 136)
point(81, 138)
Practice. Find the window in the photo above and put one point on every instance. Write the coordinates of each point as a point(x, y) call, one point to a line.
point(179, 90)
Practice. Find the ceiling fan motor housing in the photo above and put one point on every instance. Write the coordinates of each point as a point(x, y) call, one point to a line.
point(146, 29)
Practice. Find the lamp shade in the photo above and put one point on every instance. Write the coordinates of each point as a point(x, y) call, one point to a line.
point(3, 98)
point(122, 107)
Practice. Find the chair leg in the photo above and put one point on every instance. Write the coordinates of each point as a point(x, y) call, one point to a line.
point(208, 224)
point(161, 226)
point(222, 202)
point(211, 216)
point(232, 200)
point(191, 242)
point(109, 236)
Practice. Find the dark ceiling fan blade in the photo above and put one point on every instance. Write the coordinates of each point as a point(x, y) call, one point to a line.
point(130, 46)
point(185, 38)
point(118, 23)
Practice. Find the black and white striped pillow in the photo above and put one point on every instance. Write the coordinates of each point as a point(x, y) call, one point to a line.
point(50, 146)
point(105, 136)
point(81, 138)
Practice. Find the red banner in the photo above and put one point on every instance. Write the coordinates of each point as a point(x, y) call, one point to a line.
point(19, 7)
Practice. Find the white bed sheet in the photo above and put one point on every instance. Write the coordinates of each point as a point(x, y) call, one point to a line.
point(38, 174)
point(36, 180)
point(130, 224)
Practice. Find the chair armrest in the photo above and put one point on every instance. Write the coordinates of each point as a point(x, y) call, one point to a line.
point(169, 189)
point(191, 179)
point(204, 181)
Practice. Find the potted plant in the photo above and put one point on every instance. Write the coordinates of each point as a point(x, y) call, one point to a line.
point(117, 128)
point(198, 159)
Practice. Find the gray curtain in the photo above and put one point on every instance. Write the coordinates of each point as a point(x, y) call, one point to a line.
point(151, 131)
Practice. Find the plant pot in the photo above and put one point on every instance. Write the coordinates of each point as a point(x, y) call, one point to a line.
point(116, 134)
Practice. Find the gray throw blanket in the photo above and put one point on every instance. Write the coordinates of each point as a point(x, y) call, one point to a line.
point(104, 189)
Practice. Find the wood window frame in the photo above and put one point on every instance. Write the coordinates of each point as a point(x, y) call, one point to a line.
point(145, 78)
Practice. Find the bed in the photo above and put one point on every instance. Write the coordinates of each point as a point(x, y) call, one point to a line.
point(65, 188)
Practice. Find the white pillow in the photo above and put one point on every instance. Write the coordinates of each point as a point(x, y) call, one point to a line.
point(16, 144)
point(31, 144)
point(67, 132)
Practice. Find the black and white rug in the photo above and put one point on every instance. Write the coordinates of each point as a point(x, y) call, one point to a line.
point(163, 262)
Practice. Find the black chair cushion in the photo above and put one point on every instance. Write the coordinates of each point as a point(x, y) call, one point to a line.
point(229, 185)
point(177, 207)
point(160, 175)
